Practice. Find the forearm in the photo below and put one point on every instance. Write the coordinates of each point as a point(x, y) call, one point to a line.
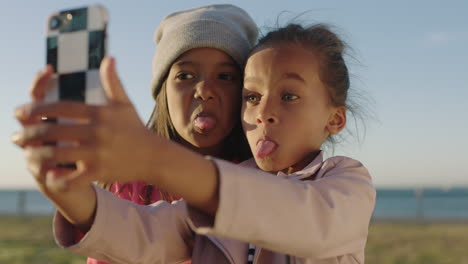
point(185, 173)
point(323, 218)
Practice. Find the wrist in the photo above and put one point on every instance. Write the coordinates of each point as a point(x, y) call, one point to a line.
point(81, 216)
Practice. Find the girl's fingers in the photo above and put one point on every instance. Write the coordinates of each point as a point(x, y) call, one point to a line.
point(59, 154)
point(51, 177)
point(38, 134)
point(63, 109)
point(37, 90)
point(111, 83)
point(40, 83)
point(63, 180)
point(38, 170)
point(42, 160)
point(20, 116)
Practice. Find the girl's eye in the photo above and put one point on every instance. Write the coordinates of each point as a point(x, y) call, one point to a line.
point(289, 97)
point(254, 99)
point(185, 76)
point(226, 76)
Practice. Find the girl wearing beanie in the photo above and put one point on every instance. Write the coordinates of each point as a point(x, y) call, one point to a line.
point(197, 78)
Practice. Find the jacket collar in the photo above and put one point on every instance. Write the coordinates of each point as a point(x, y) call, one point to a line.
point(308, 171)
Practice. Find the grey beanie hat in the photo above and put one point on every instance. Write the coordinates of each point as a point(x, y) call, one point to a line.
point(224, 27)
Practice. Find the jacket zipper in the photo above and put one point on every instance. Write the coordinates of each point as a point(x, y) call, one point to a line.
point(257, 255)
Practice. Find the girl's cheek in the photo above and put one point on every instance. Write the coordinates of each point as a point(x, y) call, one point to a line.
point(248, 114)
point(243, 109)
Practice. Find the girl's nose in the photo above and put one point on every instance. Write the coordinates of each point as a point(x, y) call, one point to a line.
point(269, 120)
point(204, 90)
point(266, 114)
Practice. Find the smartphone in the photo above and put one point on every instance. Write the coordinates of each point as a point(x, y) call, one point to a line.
point(76, 43)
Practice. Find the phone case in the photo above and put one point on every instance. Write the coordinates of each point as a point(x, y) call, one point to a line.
point(76, 45)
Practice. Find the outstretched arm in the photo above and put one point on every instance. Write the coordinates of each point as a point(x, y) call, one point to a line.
point(324, 218)
point(110, 144)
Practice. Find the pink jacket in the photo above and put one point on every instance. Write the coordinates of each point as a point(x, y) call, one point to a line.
point(135, 192)
point(312, 221)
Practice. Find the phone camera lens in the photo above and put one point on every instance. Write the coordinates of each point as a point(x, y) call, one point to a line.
point(55, 23)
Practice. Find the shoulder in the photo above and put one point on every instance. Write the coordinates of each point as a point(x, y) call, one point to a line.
point(342, 161)
point(343, 166)
point(348, 175)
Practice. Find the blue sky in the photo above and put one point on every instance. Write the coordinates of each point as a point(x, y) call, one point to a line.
point(412, 63)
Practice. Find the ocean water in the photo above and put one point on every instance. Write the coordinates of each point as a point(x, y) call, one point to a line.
point(418, 204)
point(392, 204)
point(24, 202)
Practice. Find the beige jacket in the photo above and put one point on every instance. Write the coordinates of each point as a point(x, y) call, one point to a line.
point(289, 219)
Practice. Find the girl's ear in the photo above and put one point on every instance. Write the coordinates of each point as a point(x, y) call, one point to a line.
point(337, 120)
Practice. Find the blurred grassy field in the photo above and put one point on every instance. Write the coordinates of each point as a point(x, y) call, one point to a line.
point(28, 240)
point(417, 243)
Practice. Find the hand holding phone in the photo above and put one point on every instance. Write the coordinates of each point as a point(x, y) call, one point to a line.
point(76, 44)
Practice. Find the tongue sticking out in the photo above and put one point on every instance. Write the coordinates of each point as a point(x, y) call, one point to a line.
point(265, 148)
point(204, 123)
